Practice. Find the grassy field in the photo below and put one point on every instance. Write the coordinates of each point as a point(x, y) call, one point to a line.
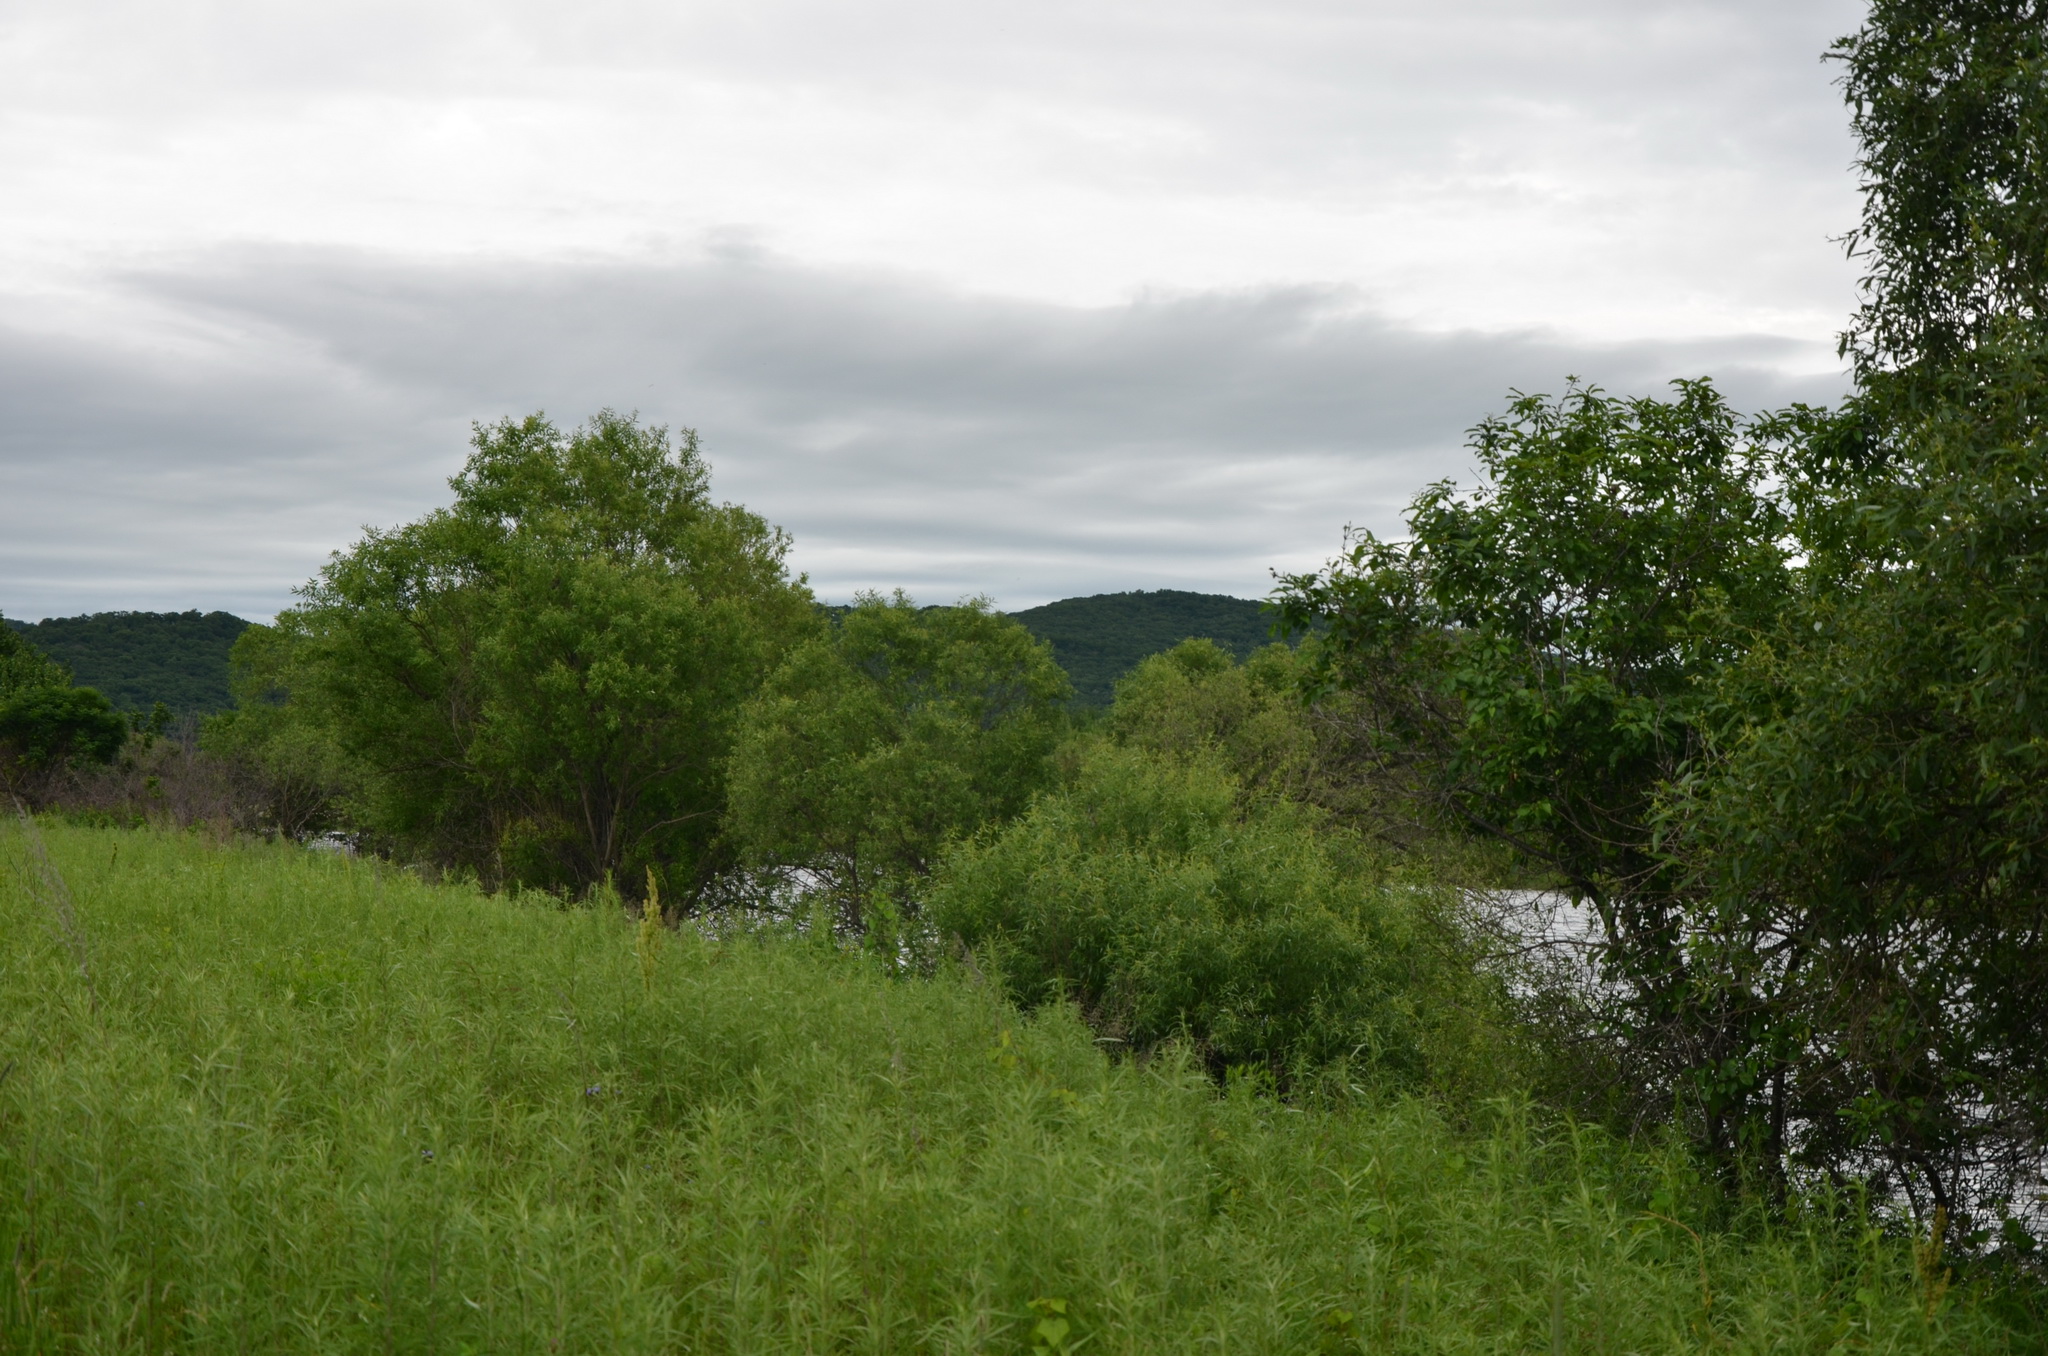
point(298, 1103)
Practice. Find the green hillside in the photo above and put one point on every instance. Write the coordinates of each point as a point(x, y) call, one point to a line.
point(1100, 639)
point(181, 658)
point(140, 658)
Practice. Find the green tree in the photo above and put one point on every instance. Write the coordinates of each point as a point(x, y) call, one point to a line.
point(1781, 718)
point(541, 681)
point(46, 724)
point(300, 778)
point(1165, 902)
point(1865, 836)
point(23, 666)
point(1531, 653)
point(1535, 662)
point(876, 743)
point(1196, 698)
point(46, 729)
point(1950, 109)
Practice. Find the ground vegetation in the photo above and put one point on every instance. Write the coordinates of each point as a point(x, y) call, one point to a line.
point(259, 1099)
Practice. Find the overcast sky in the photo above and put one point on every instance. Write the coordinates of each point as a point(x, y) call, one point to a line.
point(1030, 300)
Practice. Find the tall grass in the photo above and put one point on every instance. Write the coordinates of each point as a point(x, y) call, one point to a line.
point(319, 1106)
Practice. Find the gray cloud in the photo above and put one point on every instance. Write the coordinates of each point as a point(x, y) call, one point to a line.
point(268, 402)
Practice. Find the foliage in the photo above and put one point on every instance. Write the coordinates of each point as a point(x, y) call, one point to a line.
point(1166, 904)
point(1950, 104)
point(1195, 698)
point(1863, 840)
point(24, 667)
point(324, 1107)
point(1531, 654)
point(1101, 638)
point(46, 724)
point(1867, 834)
point(540, 683)
point(1767, 696)
point(294, 777)
point(875, 744)
point(47, 729)
point(139, 659)
point(1770, 765)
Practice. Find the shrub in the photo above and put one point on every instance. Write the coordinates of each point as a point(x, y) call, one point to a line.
point(1163, 901)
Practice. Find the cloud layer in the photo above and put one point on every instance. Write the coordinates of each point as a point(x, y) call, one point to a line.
point(1025, 297)
point(273, 401)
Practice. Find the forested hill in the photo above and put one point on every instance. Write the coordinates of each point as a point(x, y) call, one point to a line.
point(181, 658)
point(1098, 640)
point(140, 658)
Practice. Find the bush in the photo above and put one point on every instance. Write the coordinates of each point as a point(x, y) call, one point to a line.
point(1154, 894)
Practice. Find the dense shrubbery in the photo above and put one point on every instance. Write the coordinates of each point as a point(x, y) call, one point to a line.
point(1153, 894)
point(1180, 884)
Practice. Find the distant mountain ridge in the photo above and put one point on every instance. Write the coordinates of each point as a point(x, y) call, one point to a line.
point(141, 658)
point(181, 658)
point(1101, 638)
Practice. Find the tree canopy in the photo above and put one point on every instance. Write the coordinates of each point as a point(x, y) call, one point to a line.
point(877, 743)
point(1769, 693)
point(540, 682)
point(141, 658)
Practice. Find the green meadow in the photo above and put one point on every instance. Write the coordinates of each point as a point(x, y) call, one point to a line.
point(258, 1099)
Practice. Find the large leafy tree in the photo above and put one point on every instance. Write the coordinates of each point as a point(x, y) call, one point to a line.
point(1788, 730)
point(1866, 836)
point(46, 724)
point(1533, 662)
point(540, 682)
point(1531, 652)
point(877, 743)
point(1864, 840)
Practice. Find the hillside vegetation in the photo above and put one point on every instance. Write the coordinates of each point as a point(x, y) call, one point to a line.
point(181, 658)
point(1099, 639)
point(261, 1100)
point(141, 658)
